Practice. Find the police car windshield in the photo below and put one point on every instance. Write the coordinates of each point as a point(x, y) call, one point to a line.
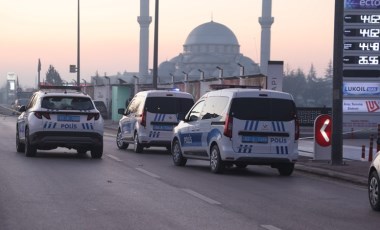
point(265, 109)
point(168, 105)
point(67, 103)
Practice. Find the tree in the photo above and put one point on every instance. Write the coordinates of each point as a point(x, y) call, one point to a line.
point(53, 77)
point(329, 71)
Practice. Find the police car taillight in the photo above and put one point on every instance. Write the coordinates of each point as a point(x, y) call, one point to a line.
point(39, 115)
point(96, 116)
point(143, 118)
point(228, 126)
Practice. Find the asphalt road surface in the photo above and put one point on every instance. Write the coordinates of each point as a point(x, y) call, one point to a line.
point(125, 190)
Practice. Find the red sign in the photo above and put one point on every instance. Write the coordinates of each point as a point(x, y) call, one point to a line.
point(322, 130)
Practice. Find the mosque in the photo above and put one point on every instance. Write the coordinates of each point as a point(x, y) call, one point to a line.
point(211, 55)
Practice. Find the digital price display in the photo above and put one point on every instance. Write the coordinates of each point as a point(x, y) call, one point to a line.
point(361, 60)
point(363, 33)
point(363, 46)
point(361, 39)
point(363, 18)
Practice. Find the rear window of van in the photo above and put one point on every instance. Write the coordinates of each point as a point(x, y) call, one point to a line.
point(264, 109)
point(168, 105)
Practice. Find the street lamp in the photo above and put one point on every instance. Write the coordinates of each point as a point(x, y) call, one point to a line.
point(220, 71)
point(136, 82)
point(186, 76)
point(78, 49)
point(241, 69)
point(108, 93)
point(202, 74)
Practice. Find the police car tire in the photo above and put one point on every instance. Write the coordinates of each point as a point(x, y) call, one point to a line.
point(120, 144)
point(374, 191)
point(216, 163)
point(177, 156)
point(30, 150)
point(20, 147)
point(138, 147)
point(97, 152)
point(286, 169)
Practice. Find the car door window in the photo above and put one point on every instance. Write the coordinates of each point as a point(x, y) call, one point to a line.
point(195, 113)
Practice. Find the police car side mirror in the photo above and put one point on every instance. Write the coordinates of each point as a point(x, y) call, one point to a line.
point(121, 111)
point(22, 109)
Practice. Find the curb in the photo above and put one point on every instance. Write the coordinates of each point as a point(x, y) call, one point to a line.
point(332, 174)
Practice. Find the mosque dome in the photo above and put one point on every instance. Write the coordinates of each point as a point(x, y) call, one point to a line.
point(207, 46)
point(211, 33)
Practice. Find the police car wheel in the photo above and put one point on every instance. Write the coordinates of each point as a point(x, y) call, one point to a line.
point(286, 169)
point(119, 142)
point(178, 159)
point(138, 147)
point(97, 152)
point(20, 147)
point(373, 191)
point(30, 150)
point(216, 163)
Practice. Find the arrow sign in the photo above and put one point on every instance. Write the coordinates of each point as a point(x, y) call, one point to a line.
point(322, 130)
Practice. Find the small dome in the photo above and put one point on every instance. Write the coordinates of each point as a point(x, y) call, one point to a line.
point(211, 33)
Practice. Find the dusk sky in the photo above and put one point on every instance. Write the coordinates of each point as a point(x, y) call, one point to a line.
point(302, 33)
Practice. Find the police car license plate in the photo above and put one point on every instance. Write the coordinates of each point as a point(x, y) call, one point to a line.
point(163, 127)
point(70, 118)
point(254, 139)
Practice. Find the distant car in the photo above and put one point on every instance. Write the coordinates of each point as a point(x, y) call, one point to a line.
point(374, 183)
point(60, 117)
point(19, 102)
point(102, 108)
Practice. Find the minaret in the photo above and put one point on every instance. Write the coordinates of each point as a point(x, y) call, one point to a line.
point(266, 22)
point(144, 20)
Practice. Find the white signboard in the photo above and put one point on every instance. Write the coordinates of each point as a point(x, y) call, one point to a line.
point(361, 88)
point(275, 75)
point(361, 106)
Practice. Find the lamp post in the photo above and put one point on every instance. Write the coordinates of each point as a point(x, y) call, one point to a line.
point(85, 85)
point(108, 94)
point(241, 69)
point(220, 71)
point(78, 48)
point(155, 51)
point(202, 74)
point(136, 83)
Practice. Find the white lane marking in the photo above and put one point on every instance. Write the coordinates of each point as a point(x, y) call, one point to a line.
point(200, 196)
point(270, 227)
point(114, 158)
point(148, 173)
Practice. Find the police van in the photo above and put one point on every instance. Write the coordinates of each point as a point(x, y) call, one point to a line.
point(239, 127)
point(150, 118)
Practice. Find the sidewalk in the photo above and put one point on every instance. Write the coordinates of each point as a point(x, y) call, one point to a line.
point(353, 169)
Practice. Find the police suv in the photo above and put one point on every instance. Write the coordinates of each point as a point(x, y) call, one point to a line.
point(60, 117)
point(239, 127)
point(150, 118)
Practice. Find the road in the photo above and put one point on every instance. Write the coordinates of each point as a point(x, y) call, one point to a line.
point(125, 190)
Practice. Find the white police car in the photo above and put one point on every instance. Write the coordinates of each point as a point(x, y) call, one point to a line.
point(374, 183)
point(239, 127)
point(60, 117)
point(150, 117)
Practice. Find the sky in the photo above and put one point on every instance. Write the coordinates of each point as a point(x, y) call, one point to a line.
point(301, 35)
